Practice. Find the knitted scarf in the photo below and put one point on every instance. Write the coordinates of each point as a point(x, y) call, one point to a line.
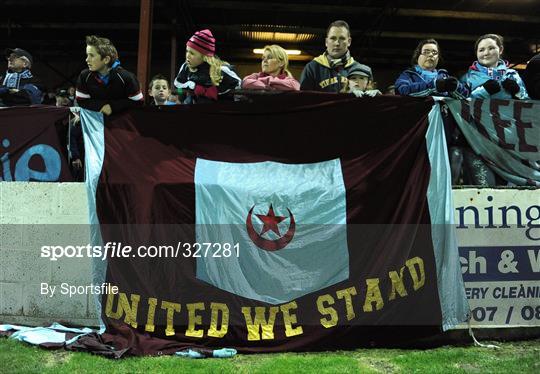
point(496, 73)
point(13, 79)
point(338, 62)
point(427, 75)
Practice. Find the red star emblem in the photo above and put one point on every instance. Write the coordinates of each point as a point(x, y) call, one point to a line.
point(270, 221)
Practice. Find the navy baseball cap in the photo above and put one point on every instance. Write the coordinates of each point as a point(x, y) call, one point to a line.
point(62, 93)
point(19, 52)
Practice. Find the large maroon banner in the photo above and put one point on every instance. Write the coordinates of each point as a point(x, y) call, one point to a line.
point(295, 222)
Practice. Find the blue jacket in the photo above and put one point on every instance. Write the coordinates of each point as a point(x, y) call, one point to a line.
point(411, 83)
point(479, 74)
point(28, 86)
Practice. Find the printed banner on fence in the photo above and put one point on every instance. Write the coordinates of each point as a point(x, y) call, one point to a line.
point(287, 228)
point(499, 246)
point(505, 133)
point(30, 144)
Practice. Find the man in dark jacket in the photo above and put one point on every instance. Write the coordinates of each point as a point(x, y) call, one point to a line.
point(532, 77)
point(328, 72)
point(18, 86)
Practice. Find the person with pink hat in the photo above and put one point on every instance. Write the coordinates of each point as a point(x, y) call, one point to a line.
point(203, 77)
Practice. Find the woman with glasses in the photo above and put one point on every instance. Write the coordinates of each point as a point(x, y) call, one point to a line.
point(489, 76)
point(275, 74)
point(424, 79)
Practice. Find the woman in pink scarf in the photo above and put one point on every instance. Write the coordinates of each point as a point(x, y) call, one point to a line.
point(275, 74)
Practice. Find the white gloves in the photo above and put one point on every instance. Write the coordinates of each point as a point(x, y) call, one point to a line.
point(368, 93)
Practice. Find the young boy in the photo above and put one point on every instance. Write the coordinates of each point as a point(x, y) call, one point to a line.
point(359, 78)
point(160, 91)
point(105, 86)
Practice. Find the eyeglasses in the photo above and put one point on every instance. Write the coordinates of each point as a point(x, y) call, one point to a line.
point(428, 52)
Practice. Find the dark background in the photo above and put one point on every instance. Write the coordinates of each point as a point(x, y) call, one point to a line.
point(384, 32)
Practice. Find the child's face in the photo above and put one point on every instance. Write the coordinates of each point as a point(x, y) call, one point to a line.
point(94, 60)
point(193, 58)
point(160, 90)
point(358, 82)
point(488, 53)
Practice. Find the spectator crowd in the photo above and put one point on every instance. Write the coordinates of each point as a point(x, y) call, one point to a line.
point(105, 86)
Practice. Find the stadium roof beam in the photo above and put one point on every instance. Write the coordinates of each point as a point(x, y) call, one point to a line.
point(384, 34)
point(343, 9)
point(238, 28)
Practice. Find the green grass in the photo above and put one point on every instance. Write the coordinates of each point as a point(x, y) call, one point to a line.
point(512, 357)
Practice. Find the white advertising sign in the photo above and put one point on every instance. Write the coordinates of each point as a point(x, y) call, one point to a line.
point(498, 233)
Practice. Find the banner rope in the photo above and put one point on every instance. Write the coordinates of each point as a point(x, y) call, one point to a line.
point(476, 342)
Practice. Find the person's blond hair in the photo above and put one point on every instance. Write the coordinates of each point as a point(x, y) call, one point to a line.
point(281, 55)
point(215, 68)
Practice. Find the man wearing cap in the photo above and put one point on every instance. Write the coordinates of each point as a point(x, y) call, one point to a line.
point(62, 98)
point(18, 86)
point(328, 72)
point(359, 78)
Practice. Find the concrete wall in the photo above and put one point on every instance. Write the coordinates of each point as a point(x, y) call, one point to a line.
point(32, 215)
point(37, 214)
